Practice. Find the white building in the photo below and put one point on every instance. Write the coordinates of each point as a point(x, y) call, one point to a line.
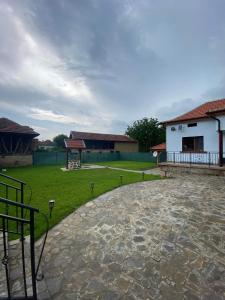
point(197, 136)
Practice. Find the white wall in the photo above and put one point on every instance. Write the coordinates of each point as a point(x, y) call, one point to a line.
point(205, 128)
point(222, 120)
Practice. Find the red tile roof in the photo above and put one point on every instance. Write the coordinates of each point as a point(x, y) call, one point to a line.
point(201, 112)
point(75, 144)
point(159, 147)
point(101, 137)
point(8, 126)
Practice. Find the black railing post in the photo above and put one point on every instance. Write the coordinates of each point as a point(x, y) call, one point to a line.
point(7, 206)
point(174, 157)
point(21, 211)
point(17, 223)
point(5, 258)
point(209, 159)
point(22, 201)
point(22, 192)
point(32, 254)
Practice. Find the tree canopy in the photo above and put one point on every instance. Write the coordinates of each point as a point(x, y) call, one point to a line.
point(59, 140)
point(148, 132)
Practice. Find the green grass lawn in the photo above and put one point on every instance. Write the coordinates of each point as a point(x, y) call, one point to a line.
point(70, 189)
point(129, 165)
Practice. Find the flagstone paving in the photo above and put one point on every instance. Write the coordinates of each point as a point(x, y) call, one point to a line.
point(151, 240)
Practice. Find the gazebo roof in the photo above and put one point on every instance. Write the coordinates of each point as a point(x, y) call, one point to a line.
point(159, 147)
point(75, 144)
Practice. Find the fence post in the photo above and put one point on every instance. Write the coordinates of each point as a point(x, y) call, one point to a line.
point(209, 159)
point(174, 157)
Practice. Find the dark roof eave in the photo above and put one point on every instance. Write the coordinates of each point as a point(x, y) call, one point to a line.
point(34, 134)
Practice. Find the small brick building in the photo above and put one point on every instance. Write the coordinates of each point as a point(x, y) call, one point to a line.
point(16, 143)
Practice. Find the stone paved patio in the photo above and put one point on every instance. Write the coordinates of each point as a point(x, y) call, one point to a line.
point(152, 240)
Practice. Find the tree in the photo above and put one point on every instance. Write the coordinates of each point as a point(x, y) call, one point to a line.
point(148, 132)
point(59, 140)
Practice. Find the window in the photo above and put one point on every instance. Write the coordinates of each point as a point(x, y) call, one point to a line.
point(193, 144)
point(192, 125)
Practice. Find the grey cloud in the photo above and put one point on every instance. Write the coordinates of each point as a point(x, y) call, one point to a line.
point(217, 91)
point(178, 108)
point(139, 58)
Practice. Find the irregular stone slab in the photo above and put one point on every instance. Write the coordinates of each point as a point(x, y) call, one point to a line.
point(150, 240)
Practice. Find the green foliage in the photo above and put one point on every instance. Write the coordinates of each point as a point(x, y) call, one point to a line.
point(148, 132)
point(70, 190)
point(59, 140)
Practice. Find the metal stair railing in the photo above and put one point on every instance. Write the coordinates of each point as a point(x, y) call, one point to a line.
point(5, 219)
point(19, 220)
point(18, 195)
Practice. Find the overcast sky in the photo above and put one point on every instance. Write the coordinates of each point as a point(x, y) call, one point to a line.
point(98, 65)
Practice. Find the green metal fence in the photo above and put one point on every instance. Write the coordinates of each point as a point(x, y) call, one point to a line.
point(137, 156)
point(49, 158)
point(59, 158)
point(88, 157)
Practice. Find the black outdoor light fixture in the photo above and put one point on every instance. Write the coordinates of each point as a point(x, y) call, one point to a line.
point(121, 179)
point(92, 186)
point(51, 204)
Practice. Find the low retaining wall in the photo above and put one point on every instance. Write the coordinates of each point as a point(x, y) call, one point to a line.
point(16, 160)
point(193, 169)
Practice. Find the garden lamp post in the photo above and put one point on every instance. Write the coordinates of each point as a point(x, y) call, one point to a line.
point(92, 185)
point(51, 204)
point(121, 179)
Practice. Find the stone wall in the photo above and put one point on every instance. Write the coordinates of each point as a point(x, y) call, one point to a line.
point(193, 169)
point(16, 160)
point(126, 147)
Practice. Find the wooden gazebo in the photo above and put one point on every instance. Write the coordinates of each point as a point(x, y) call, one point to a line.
point(17, 143)
point(73, 145)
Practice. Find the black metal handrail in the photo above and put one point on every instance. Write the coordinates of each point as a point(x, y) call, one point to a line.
point(30, 221)
point(20, 219)
point(19, 195)
point(21, 205)
point(10, 186)
point(203, 158)
point(12, 178)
